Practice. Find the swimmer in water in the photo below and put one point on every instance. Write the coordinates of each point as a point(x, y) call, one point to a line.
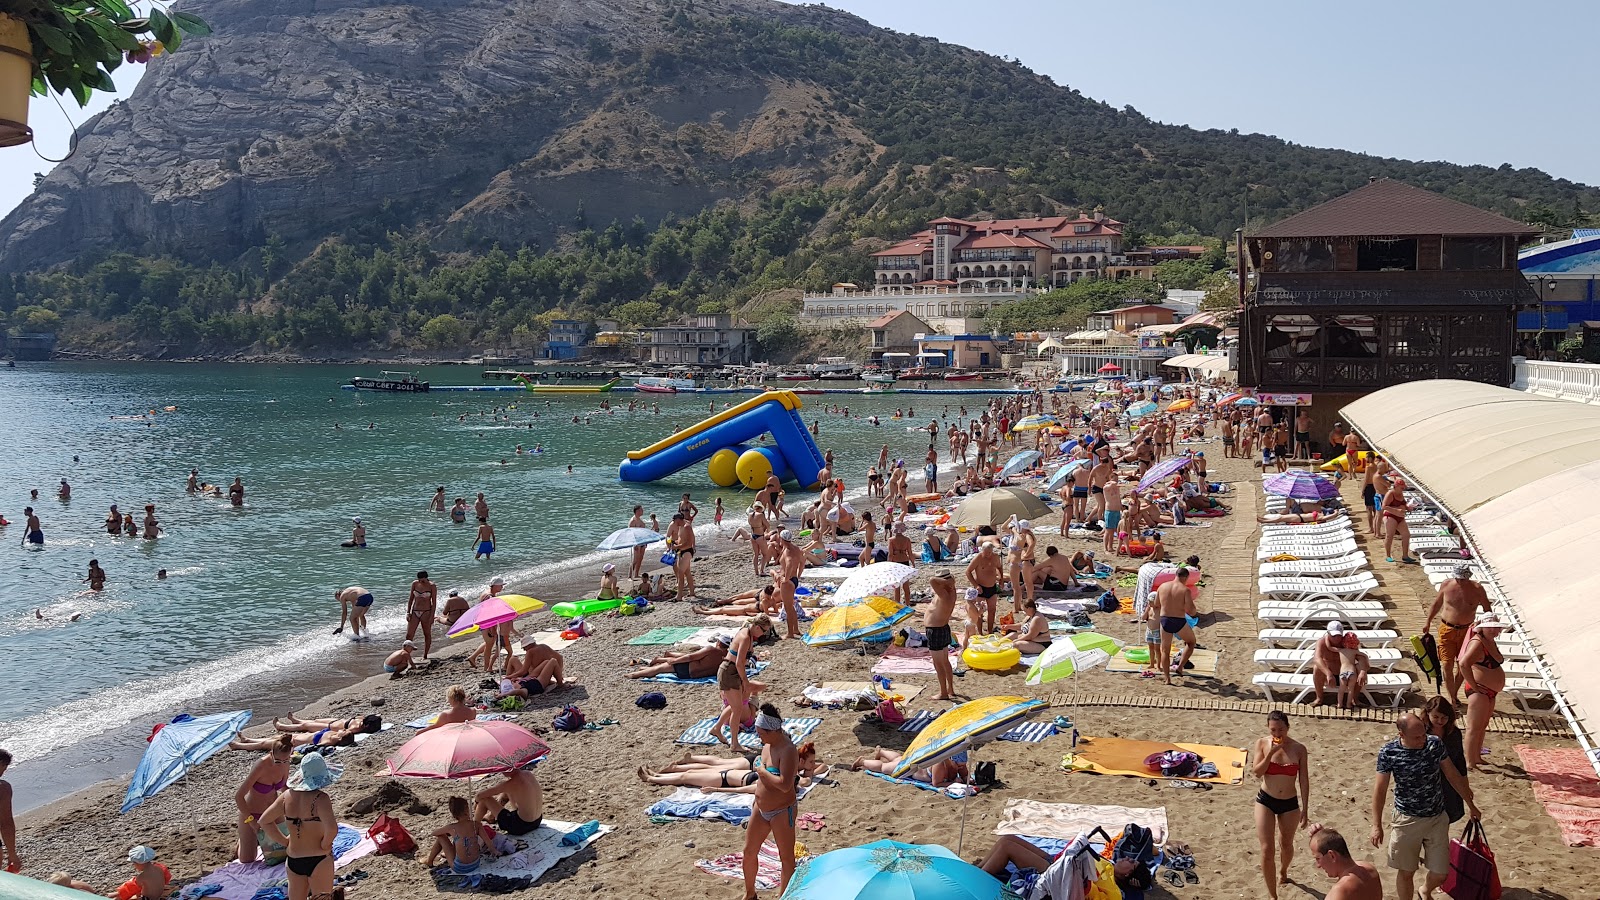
point(161, 574)
point(193, 484)
point(358, 535)
point(39, 614)
point(33, 532)
point(485, 539)
point(458, 512)
point(437, 503)
point(96, 577)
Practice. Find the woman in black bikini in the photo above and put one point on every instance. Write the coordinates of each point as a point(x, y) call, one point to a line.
point(726, 776)
point(1284, 801)
point(776, 801)
point(260, 788)
point(312, 827)
point(1481, 671)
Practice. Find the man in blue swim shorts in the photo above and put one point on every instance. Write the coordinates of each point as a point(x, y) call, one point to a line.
point(353, 604)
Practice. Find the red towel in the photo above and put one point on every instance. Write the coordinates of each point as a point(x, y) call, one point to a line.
point(1564, 781)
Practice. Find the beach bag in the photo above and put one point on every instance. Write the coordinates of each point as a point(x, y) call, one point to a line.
point(390, 836)
point(1109, 602)
point(1473, 873)
point(669, 558)
point(1080, 620)
point(1138, 844)
point(651, 700)
point(1426, 651)
point(569, 719)
point(1173, 763)
point(985, 774)
point(889, 714)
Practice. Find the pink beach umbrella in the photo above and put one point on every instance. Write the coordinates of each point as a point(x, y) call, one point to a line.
point(487, 614)
point(467, 749)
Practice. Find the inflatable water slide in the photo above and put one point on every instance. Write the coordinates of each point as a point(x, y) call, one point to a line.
point(723, 439)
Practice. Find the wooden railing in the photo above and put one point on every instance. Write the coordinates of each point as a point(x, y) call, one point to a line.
point(1579, 382)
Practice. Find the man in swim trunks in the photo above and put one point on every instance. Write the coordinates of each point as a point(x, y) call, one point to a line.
point(936, 624)
point(1056, 572)
point(791, 563)
point(193, 484)
point(1455, 605)
point(984, 573)
point(680, 540)
point(455, 606)
point(1176, 604)
point(515, 806)
point(420, 610)
point(1326, 661)
point(485, 544)
point(236, 491)
point(480, 507)
point(400, 661)
point(701, 663)
point(353, 604)
point(32, 532)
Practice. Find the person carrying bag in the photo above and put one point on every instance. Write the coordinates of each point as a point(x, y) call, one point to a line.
point(1473, 873)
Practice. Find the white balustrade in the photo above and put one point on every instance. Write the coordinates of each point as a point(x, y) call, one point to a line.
point(1578, 382)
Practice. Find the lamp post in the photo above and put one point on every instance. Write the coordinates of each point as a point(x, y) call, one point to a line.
point(1547, 286)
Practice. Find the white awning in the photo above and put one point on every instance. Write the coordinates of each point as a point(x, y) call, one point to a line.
point(1183, 360)
point(1521, 474)
point(1161, 329)
point(1211, 364)
point(1088, 335)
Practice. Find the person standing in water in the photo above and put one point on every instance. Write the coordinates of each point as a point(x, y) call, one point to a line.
point(636, 564)
point(114, 521)
point(485, 539)
point(354, 601)
point(437, 504)
point(192, 486)
point(96, 577)
point(152, 528)
point(32, 532)
point(236, 491)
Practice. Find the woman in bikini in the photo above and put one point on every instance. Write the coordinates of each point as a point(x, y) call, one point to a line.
point(1022, 560)
point(776, 801)
point(259, 790)
point(1482, 671)
point(727, 776)
point(325, 737)
point(1283, 803)
point(940, 774)
point(1033, 636)
point(312, 827)
point(757, 521)
point(1394, 521)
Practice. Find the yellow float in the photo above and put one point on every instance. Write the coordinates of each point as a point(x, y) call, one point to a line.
point(991, 653)
point(723, 467)
point(1342, 462)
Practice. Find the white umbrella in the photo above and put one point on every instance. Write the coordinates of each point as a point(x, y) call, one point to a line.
point(624, 538)
point(876, 580)
point(1018, 462)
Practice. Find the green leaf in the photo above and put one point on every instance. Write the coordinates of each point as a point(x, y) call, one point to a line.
point(54, 38)
point(176, 42)
point(161, 27)
point(191, 23)
point(116, 9)
point(100, 81)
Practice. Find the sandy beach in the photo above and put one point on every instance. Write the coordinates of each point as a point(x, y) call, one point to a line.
point(591, 774)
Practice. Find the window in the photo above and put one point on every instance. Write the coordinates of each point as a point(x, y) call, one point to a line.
point(1303, 256)
point(1082, 229)
point(1412, 336)
point(1293, 337)
point(1350, 337)
point(1386, 255)
point(1474, 253)
point(1478, 336)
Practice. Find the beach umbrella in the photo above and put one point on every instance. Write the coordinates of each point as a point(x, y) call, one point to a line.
point(1070, 654)
point(1180, 405)
point(1035, 422)
point(1162, 469)
point(1247, 401)
point(494, 611)
point(857, 619)
point(16, 887)
point(625, 538)
point(1229, 399)
point(1109, 367)
point(1018, 463)
point(1060, 476)
point(993, 506)
point(1300, 486)
point(875, 580)
point(178, 747)
point(1140, 409)
point(467, 749)
point(890, 870)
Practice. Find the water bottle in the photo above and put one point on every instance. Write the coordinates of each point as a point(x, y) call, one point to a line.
point(1074, 738)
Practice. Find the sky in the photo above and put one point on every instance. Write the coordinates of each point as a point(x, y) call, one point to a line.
point(1468, 81)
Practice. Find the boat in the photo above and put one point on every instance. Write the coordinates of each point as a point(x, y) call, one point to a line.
point(959, 375)
point(648, 382)
point(878, 378)
point(914, 372)
point(393, 382)
point(655, 388)
point(794, 376)
point(834, 368)
point(878, 388)
point(569, 388)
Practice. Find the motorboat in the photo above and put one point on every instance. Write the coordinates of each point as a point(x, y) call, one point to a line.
point(960, 375)
point(878, 378)
point(569, 388)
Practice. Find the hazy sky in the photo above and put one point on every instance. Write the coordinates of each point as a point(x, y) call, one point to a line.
point(1467, 81)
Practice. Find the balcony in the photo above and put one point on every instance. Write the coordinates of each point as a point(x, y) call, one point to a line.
point(979, 256)
point(1578, 382)
point(889, 267)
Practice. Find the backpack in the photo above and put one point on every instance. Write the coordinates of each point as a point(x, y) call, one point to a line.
point(1109, 602)
point(651, 700)
point(889, 714)
point(984, 774)
point(569, 719)
point(1173, 763)
point(1137, 843)
point(390, 836)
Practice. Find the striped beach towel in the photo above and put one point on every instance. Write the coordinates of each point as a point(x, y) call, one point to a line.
point(1026, 733)
point(732, 866)
point(700, 732)
point(953, 791)
point(669, 678)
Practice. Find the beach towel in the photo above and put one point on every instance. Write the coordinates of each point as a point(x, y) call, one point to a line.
point(241, 881)
point(544, 849)
point(1066, 821)
point(425, 721)
point(906, 661)
point(1123, 756)
point(1565, 784)
point(553, 640)
point(903, 693)
point(769, 873)
point(700, 732)
point(1205, 662)
point(953, 791)
point(667, 634)
point(693, 803)
point(1026, 733)
point(362, 737)
point(1062, 608)
point(669, 678)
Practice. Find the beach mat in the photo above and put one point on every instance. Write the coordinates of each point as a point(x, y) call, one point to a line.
point(669, 678)
point(242, 881)
point(922, 785)
point(1565, 784)
point(525, 866)
point(1026, 733)
point(906, 661)
point(1123, 756)
point(689, 803)
point(553, 640)
point(700, 732)
point(906, 692)
point(1065, 821)
point(769, 867)
point(667, 634)
point(1205, 663)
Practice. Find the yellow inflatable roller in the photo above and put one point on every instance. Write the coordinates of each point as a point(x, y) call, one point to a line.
point(991, 653)
point(1342, 461)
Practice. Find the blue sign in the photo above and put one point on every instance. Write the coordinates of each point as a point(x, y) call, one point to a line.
point(1555, 319)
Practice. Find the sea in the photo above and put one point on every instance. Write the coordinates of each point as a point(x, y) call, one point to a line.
point(244, 618)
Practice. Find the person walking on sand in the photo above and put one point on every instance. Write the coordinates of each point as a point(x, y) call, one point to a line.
point(776, 803)
point(1457, 603)
point(791, 563)
point(8, 824)
point(1416, 763)
point(420, 610)
point(1177, 605)
point(1283, 803)
point(236, 491)
point(484, 546)
point(936, 624)
point(354, 601)
point(1352, 880)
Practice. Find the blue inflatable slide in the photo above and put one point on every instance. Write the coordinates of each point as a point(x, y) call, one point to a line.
point(722, 439)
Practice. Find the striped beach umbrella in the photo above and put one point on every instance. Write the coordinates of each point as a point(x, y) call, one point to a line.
point(857, 619)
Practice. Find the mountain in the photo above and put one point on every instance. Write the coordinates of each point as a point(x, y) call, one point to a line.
point(304, 126)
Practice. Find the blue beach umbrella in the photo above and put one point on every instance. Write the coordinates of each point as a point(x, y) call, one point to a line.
point(179, 747)
point(1144, 408)
point(1019, 462)
point(1247, 401)
point(626, 538)
point(1162, 469)
point(890, 870)
point(1060, 476)
point(16, 887)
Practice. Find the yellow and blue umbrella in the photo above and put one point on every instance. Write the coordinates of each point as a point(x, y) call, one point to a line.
point(1036, 422)
point(963, 727)
point(857, 619)
point(890, 870)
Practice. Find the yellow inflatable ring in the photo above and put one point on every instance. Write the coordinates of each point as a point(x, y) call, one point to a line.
point(990, 653)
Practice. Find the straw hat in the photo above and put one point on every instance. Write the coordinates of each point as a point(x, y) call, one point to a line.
point(314, 773)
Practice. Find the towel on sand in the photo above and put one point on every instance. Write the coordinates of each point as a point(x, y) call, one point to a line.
point(669, 678)
point(242, 881)
point(769, 873)
point(425, 721)
point(1122, 756)
point(668, 634)
point(1564, 782)
point(953, 791)
point(700, 732)
point(693, 803)
point(906, 661)
point(544, 849)
point(553, 640)
point(1068, 820)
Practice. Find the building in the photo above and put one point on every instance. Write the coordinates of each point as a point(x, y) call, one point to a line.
point(566, 337)
point(1001, 253)
point(957, 351)
point(1562, 275)
point(1130, 319)
point(1385, 285)
point(702, 340)
point(895, 332)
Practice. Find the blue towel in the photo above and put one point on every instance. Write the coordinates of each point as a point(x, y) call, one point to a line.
point(916, 784)
point(722, 805)
point(347, 837)
point(700, 732)
point(755, 668)
point(276, 892)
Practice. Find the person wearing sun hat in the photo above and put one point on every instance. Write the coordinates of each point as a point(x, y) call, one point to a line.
point(308, 811)
point(150, 878)
point(609, 589)
point(1483, 672)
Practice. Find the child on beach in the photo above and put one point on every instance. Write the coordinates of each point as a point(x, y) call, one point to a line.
point(1353, 668)
point(463, 842)
point(716, 514)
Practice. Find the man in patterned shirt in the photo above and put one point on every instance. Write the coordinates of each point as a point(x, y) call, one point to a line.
point(1420, 831)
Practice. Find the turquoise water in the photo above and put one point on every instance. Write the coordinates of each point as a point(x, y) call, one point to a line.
point(250, 592)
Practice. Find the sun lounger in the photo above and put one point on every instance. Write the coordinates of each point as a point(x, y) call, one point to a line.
point(1348, 587)
point(1435, 543)
point(1307, 550)
point(1352, 605)
point(1321, 613)
point(1300, 660)
point(1304, 637)
point(1523, 691)
point(1339, 565)
point(1394, 684)
point(1337, 526)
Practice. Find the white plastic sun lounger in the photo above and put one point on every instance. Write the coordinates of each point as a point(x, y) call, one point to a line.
point(1300, 660)
point(1325, 600)
point(1288, 534)
point(1435, 544)
point(1339, 565)
point(1312, 615)
point(1337, 523)
point(1307, 550)
point(1348, 587)
point(1301, 638)
point(1394, 684)
point(1524, 690)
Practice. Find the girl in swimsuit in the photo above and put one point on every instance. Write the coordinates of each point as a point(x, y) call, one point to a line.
point(260, 788)
point(1483, 673)
point(1280, 763)
point(462, 841)
point(776, 801)
point(312, 827)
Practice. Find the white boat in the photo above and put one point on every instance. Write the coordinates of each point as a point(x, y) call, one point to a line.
point(879, 378)
point(660, 381)
point(834, 368)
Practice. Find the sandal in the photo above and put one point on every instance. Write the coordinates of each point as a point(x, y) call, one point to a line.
point(1172, 878)
point(1189, 877)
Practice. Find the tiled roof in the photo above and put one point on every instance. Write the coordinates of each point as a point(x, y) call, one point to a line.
point(913, 247)
point(977, 241)
point(1388, 207)
point(884, 320)
point(1098, 227)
